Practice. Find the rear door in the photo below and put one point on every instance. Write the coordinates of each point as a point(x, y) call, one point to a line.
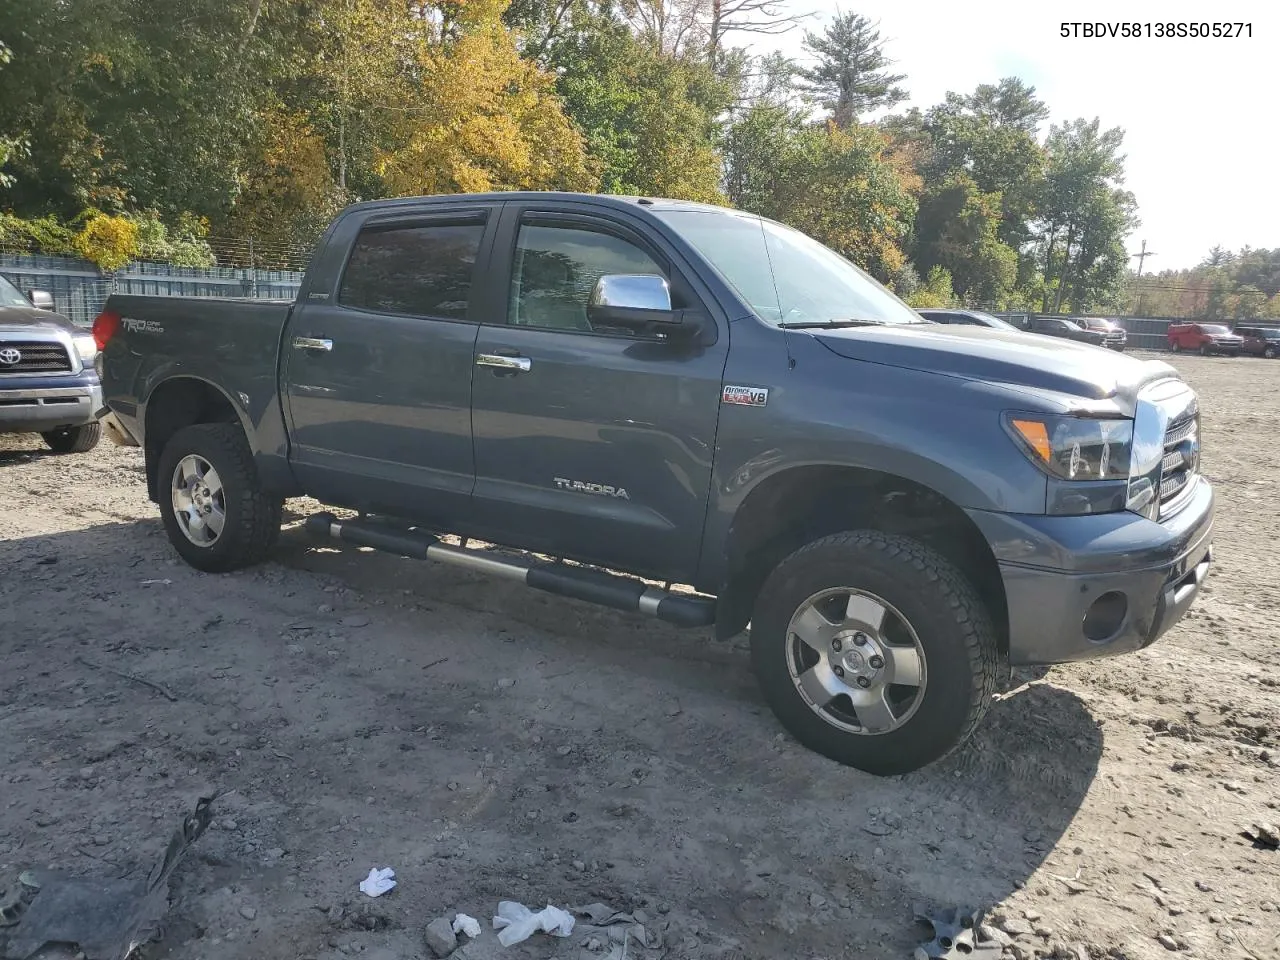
point(594, 445)
point(378, 371)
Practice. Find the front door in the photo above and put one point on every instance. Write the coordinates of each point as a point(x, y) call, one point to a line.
point(590, 444)
point(378, 376)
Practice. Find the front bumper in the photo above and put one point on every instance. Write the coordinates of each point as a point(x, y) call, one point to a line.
point(1080, 588)
point(38, 404)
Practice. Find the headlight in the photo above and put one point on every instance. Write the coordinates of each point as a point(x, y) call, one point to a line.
point(1071, 448)
point(86, 348)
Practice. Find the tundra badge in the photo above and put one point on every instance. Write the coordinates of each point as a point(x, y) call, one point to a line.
point(599, 489)
point(745, 396)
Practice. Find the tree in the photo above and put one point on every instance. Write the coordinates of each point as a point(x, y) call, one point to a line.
point(936, 292)
point(850, 78)
point(845, 188)
point(648, 119)
point(1084, 215)
point(1008, 103)
point(956, 228)
point(481, 118)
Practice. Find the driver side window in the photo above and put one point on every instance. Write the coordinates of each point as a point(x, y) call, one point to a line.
point(556, 268)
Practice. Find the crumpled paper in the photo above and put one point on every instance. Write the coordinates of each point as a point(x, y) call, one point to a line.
point(468, 925)
point(516, 922)
point(378, 882)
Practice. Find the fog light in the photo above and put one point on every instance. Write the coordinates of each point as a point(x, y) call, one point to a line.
point(1105, 616)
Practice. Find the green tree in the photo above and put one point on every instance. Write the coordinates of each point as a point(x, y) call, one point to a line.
point(936, 291)
point(648, 119)
point(1084, 216)
point(957, 228)
point(851, 77)
point(846, 188)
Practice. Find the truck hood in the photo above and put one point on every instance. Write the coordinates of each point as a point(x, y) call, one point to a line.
point(1027, 360)
point(14, 317)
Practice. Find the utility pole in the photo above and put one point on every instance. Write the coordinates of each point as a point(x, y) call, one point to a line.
point(1142, 257)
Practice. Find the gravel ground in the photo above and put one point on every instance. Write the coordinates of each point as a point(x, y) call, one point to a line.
point(490, 743)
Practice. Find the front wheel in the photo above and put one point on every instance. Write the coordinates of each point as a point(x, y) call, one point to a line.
point(1204, 350)
point(79, 439)
point(1269, 353)
point(874, 650)
point(213, 506)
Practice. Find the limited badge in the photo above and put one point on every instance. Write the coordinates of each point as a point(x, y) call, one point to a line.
point(745, 396)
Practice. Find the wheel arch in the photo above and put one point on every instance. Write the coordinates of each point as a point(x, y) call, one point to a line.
point(799, 504)
point(178, 402)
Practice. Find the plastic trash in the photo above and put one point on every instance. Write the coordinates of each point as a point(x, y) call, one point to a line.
point(378, 882)
point(468, 925)
point(516, 922)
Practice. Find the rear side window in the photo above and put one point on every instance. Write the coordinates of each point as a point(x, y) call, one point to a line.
point(418, 271)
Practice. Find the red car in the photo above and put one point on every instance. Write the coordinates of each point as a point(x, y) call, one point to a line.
point(1206, 337)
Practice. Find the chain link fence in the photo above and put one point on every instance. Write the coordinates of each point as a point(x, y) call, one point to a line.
point(241, 268)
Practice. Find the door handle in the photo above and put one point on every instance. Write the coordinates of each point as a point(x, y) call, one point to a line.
point(521, 364)
point(312, 343)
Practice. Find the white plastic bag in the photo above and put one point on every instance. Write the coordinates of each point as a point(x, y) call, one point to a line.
point(517, 922)
point(378, 882)
point(468, 925)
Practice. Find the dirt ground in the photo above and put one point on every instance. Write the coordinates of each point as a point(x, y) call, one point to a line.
point(490, 743)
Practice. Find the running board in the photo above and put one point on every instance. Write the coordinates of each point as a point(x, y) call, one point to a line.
point(578, 583)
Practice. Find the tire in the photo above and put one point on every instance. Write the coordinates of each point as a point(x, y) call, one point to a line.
point(79, 439)
point(1204, 350)
point(249, 521)
point(1269, 353)
point(946, 625)
point(1177, 347)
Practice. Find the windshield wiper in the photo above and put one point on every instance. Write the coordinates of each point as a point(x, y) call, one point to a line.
point(841, 322)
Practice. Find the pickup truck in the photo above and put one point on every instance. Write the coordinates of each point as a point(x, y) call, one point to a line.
point(1067, 329)
point(694, 414)
point(1260, 341)
point(1208, 338)
point(48, 382)
point(1114, 336)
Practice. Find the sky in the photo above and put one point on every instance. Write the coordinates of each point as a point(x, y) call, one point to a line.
point(1201, 134)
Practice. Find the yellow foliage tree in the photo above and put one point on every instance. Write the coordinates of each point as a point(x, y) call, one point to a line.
point(108, 241)
point(481, 118)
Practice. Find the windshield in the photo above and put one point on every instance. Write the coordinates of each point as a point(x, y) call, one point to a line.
point(1098, 324)
point(10, 297)
point(784, 276)
point(1216, 329)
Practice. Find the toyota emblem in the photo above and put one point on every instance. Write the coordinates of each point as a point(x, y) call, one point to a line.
point(10, 356)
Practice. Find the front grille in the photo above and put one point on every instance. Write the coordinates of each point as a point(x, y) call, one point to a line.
point(1180, 462)
point(34, 356)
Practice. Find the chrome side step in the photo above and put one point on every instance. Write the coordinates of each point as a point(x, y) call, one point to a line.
point(593, 586)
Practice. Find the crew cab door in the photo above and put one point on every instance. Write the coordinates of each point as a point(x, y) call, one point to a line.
point(378, 366)
point(591, 444)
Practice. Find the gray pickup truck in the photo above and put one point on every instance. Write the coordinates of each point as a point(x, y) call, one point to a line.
point(635, 394)
point(48, 382)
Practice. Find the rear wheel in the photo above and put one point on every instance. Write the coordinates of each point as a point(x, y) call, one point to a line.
point(1177, 347)
point(214, 510)
point(79, 439)
point(1269, 353)
point(875, 651)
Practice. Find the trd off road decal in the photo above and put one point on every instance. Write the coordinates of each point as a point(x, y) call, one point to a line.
point(745, 396)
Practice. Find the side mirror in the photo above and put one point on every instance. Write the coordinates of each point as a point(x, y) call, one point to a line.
point(41, 299)
point(631, 301)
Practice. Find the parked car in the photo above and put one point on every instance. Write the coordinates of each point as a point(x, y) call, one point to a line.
point(1260, 341)
point(899, 509)
point(1208, 338)
point(48, 383)
point(1114, 336)
point(1067, 330)
point(971, 318)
